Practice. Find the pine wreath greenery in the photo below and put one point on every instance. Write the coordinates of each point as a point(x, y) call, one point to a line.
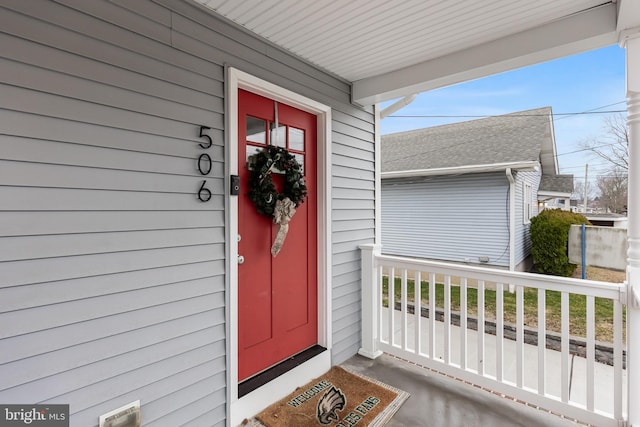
point(262, 190)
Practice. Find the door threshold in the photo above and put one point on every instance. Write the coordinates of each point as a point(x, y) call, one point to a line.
point(249, 405)
point(249, 385)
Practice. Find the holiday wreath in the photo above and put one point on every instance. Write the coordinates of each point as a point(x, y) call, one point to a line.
point(263, 193)
point(262, 190)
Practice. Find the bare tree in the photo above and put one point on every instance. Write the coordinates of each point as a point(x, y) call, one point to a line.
point(613, 144)
point(613, 147)
point(578, 191)
point(613, 191)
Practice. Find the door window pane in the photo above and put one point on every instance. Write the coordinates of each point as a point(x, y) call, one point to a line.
point(279, 136)
point(256, 130)
point(296, 139)
point(251, 150)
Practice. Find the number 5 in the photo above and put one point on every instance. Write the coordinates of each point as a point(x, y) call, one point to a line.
point(202, 135)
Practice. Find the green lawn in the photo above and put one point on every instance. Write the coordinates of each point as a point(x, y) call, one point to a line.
point(577, 307)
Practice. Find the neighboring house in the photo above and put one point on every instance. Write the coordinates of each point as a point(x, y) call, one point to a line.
point(466, 192)
point(608, 219)
point(592, 206)
point(554, 192)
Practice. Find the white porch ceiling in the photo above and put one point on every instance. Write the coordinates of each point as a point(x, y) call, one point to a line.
point(390, 48)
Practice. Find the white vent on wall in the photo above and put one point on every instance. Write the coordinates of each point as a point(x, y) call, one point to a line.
point(125, 416)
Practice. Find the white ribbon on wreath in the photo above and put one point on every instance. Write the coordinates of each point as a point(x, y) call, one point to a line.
point(282, 214)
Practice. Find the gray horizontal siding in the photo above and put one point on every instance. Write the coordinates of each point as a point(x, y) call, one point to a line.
point(112, 277)
point(452, 218)
point(353, 202)
point(26, 223)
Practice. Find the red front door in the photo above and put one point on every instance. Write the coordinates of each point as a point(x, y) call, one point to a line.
point(277, 296)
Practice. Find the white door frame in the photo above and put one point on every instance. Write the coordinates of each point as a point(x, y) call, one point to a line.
point(249, 405)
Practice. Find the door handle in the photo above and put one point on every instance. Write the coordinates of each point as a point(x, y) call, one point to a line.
point(240, 259)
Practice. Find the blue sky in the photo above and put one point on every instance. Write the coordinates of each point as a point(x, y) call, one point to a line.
point(576, 83)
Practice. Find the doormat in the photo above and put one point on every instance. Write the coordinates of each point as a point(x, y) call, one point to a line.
point(338, 398)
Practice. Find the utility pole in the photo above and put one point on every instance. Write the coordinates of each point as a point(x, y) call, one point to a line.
point(586, 185)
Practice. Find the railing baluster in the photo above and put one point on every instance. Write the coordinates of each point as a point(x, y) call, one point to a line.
point(617, 359)
point(391, 290)
point(380, 291)
point(542, 340)
point(403, 309)
point(564, 368)
point(463, 323)
point(591, 350)
point(499, 331)
point(519, 336)
point(481, 327)
point(432, 316)
point(417, 311)
point(447, 319)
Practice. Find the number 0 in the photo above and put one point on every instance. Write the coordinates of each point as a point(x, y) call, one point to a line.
point(208, 165)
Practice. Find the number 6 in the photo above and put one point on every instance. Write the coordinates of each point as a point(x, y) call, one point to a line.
point(204, 194)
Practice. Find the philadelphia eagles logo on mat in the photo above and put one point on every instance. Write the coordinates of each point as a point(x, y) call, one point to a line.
point(332, 401)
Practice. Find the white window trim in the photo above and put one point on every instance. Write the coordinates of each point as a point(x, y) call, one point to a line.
point(249, 405)
point(527, 204)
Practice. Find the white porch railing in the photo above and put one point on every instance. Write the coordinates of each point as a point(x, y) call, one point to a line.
point(423, 328)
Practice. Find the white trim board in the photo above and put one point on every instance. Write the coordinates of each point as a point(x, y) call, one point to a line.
point(553, 194)
point(531, 165)
point(249, 405)
point(257, 400)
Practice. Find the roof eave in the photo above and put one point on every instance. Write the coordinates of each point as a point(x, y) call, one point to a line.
point(544, 195)
point(459, 170)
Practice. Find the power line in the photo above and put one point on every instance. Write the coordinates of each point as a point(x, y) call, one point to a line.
point(587, 149)
point(604, 175)
point(598, 108)
point(417, 116)
point(608, 105)
point(577, 168)
point(596, 168)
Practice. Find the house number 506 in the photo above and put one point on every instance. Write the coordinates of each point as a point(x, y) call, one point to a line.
point(204, 165)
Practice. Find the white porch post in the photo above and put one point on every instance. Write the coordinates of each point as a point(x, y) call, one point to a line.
point(370, 302)
point(633, 254)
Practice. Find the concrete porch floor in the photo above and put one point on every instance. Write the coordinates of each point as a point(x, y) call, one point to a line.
point(438, 401)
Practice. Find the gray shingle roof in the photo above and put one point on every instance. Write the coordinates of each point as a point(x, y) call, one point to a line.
point(556, 183)
point(509, 138)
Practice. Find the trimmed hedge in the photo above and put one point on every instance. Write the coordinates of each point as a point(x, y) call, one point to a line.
point(550, 237)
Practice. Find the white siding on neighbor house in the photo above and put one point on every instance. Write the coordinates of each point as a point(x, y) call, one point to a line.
point(452, 218)
point(522, 236)
point(112, 277)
